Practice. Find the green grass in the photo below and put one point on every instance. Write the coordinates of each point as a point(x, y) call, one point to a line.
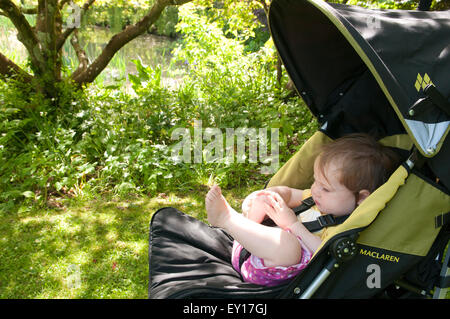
point(102, 242)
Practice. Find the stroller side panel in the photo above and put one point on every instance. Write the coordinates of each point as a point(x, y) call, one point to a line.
point(413, 230)
point(394, 244)
point(366, 275)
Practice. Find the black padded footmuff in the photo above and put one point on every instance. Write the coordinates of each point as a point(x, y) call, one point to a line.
point(190, 259)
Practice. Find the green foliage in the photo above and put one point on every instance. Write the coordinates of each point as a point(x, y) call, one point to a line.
point(232, 87)
point(105, 140)
point(226, 78)
point(118, 14)
point(395, 4)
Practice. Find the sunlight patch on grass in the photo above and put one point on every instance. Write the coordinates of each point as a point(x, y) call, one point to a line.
point(95, 248)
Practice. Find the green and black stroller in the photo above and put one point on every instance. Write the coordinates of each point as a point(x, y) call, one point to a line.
point(381, 72)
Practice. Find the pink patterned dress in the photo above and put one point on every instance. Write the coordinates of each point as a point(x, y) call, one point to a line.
point(254, 271)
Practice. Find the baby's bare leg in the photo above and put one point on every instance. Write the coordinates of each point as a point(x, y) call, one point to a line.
point(276, 246)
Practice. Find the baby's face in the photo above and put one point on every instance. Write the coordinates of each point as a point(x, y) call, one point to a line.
point(330, 196)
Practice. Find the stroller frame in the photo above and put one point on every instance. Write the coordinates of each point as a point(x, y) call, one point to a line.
point(403, 107)
point(346, 251)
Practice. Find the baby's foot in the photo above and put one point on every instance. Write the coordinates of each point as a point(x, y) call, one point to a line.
point(219, 211)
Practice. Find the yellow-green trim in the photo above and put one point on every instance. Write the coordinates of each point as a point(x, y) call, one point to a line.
point(407, 224)
point(298, 171)
point(402, 141)
point(399, 216)
point(369, 209)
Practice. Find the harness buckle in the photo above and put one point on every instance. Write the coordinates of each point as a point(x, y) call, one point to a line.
point(326, 220)
point(308, 201)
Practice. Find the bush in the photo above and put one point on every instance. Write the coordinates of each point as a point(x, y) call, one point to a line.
point(119, 14)
point(104, 140)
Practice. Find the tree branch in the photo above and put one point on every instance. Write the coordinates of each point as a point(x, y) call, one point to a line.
point(25, 31)
point(120, 39)
point(10, 69)
point(63, 38)
point(81, 55)
point(46, 13)
point(28, 10)
point(46, 34)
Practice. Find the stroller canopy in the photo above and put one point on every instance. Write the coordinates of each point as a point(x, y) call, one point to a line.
point(323, 45)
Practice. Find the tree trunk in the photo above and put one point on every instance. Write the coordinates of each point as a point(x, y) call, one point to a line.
point(26, 35)
point(45, 40)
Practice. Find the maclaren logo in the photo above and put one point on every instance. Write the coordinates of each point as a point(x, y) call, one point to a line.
point(377, 255)
point(422, 81)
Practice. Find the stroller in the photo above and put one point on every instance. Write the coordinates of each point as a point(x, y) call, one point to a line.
point(381, 72)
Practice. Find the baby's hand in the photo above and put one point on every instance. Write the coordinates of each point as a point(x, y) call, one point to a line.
point(279, 212)
point(254, 206)
point(246, 205)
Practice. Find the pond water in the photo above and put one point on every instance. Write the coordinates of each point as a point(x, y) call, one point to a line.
point(152, 50)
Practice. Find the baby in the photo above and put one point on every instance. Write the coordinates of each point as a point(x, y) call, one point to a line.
point(346, 172)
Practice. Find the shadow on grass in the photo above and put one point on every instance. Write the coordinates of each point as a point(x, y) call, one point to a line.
point(86, 249)
point(94, 249)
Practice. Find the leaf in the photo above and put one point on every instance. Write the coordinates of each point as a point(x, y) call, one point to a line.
point(58, 186)
point(142, 70)
point(11, 110)
point(23, 209)
point(168, 176)
point(135, 81)
point(28, 194)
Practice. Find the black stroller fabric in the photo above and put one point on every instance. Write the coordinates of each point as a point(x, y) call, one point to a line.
point(190, 259)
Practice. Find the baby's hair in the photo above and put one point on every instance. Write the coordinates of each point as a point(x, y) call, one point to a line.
point(363, 162)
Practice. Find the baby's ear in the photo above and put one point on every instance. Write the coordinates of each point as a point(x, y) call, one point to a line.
point(362, 195)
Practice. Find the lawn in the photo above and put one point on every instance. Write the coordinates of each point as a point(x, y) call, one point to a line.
point(96, 248)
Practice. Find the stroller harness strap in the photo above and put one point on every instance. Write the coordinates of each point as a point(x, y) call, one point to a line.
point(443, 219)
point(322, 221)
point(313, 226)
